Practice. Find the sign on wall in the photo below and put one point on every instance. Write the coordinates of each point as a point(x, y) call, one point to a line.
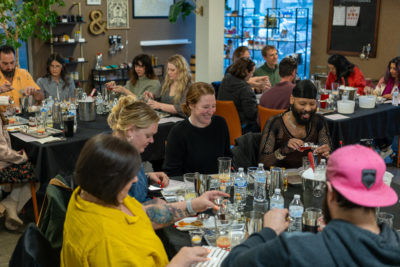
point(117, 14)
point(151, 8)
point(93, 2)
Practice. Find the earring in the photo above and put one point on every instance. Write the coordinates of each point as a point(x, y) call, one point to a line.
point(129, 138)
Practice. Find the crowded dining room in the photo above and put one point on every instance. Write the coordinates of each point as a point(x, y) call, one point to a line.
point(199, 133)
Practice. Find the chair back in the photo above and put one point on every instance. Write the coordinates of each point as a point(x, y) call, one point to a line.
point(54, 209)
point(228, 111)
point(33, 249)
point(265, 113)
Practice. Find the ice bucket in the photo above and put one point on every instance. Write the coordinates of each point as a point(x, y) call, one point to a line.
point(313, 189)
point(87, 110)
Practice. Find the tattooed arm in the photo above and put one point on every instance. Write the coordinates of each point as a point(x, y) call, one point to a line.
point(162, 215)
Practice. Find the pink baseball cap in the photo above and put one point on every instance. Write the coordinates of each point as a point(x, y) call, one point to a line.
point(356, 172)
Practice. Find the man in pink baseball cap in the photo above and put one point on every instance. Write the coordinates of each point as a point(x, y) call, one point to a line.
point(354, 188)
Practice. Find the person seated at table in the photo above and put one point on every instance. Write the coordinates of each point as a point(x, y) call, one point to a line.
point(137, 123)
point(16, 169)
point(351, 237)
point(56, 83)
point(278, 97)
point(285, 134)
point(16, 82)
point(388, 82)
point(259, 84)
point(345, 73)
point(385, 89)
point(173, 92)
point(106, 227)
point(234, 87)
point(270, 67)
point(193, 145)
point(142, 79)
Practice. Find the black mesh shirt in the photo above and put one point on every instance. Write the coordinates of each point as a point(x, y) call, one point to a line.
point(276, 136)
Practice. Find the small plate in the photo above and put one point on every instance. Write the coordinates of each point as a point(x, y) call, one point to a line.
point(186, 224)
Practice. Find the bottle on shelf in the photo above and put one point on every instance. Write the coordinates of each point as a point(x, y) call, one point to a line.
point(277, 200)
point(240, 188)
point(296, 210)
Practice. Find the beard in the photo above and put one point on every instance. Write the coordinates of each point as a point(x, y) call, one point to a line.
point(325, 210)
point(8, 74)
point(297, 115)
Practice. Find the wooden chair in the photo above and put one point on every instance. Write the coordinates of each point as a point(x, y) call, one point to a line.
point(228, 111)
point(34, 200)
point(266, 113)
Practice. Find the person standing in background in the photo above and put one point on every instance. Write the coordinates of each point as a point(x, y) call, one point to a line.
point(270, 67)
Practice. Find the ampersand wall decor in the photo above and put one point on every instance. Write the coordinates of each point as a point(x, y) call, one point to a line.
point(97, 26)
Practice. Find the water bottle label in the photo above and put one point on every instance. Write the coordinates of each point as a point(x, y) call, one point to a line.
point(296, 211)
point(277, 205)
point(72, 112)
point(241, 183)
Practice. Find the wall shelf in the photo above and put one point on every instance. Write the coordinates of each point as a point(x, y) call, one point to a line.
point(165, 42)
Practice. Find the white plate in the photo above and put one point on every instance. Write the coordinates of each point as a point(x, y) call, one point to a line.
point(209, 223)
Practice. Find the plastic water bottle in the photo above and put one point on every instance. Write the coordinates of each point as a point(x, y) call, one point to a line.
point(72, 112)
point(99, 104)
point(50, 103)
point(395, 96)
point(277, 200)
point(260, 202)
point(296, 210)
point(260, 180)
point(240, 188)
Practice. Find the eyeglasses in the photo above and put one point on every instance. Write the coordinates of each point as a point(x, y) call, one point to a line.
point(55, 66)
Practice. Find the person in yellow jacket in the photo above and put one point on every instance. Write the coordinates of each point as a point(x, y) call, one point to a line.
point(16, 82)
point(104, 226)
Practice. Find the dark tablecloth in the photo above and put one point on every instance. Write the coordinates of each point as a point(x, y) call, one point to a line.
point(381, 121)
point(60, 157)
point(174, 239)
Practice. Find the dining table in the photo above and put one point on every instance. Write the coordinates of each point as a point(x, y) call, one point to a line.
point(379, 122)
point(59, 157)
point(174, 239)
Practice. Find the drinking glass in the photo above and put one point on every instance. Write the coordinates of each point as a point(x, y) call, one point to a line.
point(224, 174)
point(251, 174)
point(310, 222)
point(306, 163)
point(224, 233)
point(196, 237)
point(189, 179)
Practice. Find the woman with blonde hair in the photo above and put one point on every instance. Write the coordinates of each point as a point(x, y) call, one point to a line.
point(173, 91)
point(137, 123)
point(194, 144)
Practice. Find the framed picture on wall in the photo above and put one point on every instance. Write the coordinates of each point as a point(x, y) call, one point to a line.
point(117, 14)
point(93, 2)
point(151, 8)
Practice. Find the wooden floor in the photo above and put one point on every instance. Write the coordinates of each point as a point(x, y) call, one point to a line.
point(8, 240)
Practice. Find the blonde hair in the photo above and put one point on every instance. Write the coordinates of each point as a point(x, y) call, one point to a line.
point(184, 77)
point(195, 92)
point(130, 112)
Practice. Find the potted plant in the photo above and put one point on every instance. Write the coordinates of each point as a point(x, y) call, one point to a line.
point(20, 20)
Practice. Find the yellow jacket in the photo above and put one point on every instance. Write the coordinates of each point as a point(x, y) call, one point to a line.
point(95, 235)
point(21, 80)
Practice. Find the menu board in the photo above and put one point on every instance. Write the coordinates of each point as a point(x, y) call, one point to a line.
point(352, 25)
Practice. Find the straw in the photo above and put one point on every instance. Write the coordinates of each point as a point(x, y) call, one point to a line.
point(311, 159)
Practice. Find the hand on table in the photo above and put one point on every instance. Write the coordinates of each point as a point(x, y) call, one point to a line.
point(154, 104)
point(159, 178)
point(295, 143)
point(276, 219)
point(207, 200)
point(323, 150)
point(189, 255)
